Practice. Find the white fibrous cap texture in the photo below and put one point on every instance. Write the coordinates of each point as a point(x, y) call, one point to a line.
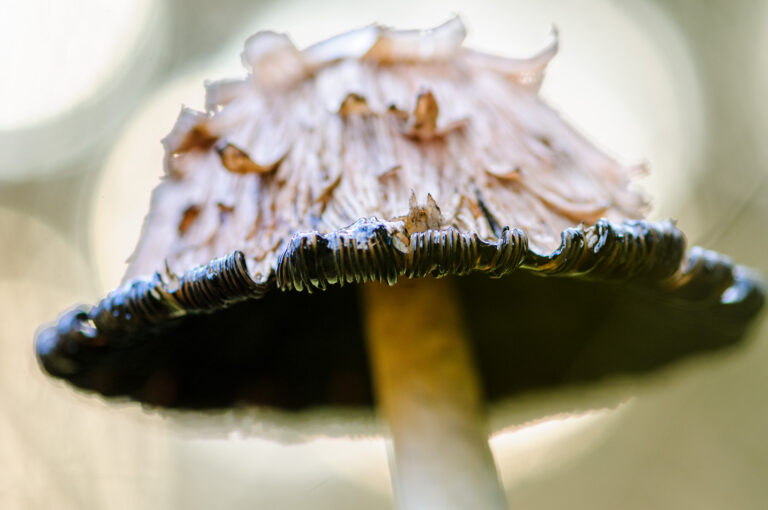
point(373, 123)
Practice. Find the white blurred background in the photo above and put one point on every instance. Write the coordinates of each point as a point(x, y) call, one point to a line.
point(88, 88)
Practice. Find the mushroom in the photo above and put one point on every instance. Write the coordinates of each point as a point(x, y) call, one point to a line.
point(396, 187)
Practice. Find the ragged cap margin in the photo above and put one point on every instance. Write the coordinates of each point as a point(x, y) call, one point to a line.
point(645, 254)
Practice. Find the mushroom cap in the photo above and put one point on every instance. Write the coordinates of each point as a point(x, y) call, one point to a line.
point(377, 155)
point(356, 127)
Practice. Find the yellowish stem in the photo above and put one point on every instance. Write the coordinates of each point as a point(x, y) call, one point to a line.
point(429, 393)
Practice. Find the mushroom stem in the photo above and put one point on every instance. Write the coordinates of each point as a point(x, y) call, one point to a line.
point(429, 393)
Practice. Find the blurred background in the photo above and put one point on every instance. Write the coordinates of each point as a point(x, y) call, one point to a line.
point(87, 90)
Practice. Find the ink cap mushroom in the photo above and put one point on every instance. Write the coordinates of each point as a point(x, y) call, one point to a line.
point(390, 218)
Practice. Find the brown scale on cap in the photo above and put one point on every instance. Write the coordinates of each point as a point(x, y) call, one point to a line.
point(355, 127)
point(354, 104)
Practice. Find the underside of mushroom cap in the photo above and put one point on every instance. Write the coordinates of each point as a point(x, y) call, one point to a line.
point(627, 299)
point(374, 156)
